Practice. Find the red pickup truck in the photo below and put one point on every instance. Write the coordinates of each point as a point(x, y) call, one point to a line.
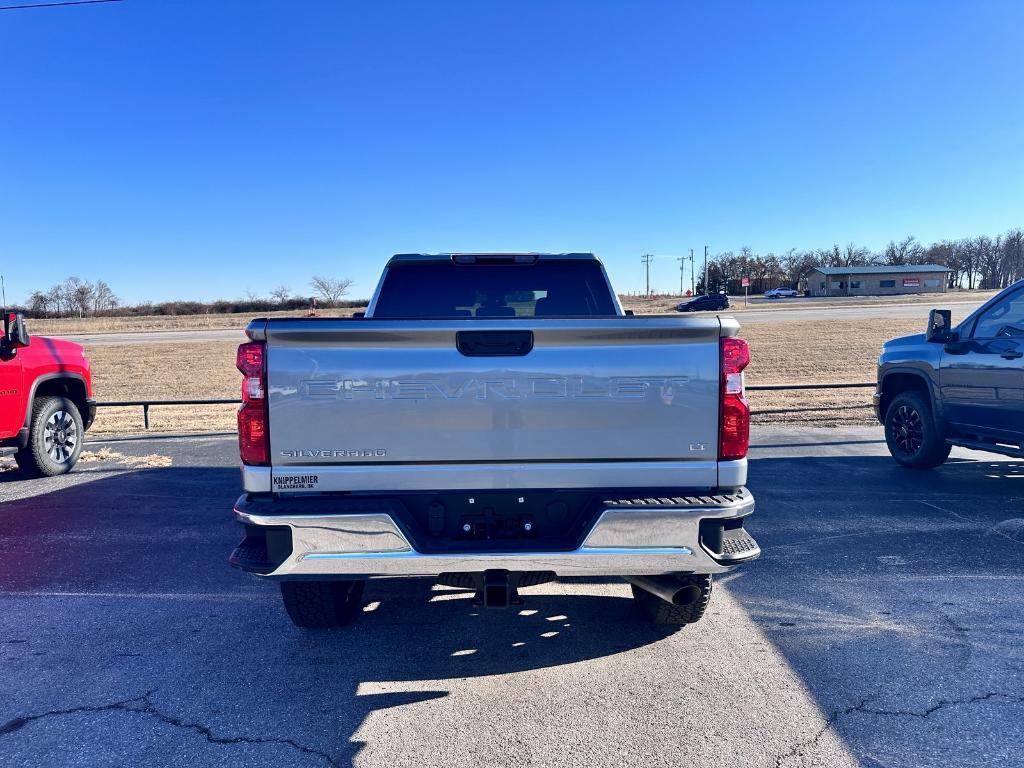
point(45, 399)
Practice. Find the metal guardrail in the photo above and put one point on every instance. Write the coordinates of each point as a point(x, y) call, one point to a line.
point(778, 387)
point(147, 404)
point(784, 387)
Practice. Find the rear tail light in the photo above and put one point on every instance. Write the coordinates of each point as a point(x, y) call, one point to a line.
point(734, 423)
point(253, 431)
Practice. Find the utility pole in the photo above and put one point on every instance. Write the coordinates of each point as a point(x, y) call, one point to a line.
point(705, 269)
point(682, 271)
point(647, 258)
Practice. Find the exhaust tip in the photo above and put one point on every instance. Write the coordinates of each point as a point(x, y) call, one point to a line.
point(688, 595)
point(674, 590)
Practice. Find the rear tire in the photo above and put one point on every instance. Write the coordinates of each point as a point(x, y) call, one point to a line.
point(911, 433)
point(322, 604)
point(55, 436)
point(663, 613)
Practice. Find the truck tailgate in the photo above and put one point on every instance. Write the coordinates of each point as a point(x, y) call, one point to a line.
point(352, 399)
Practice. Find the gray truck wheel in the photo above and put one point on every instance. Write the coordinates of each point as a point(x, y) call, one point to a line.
point(322, 604)
point(662, 612)
point(54, 438)
point(913, 437)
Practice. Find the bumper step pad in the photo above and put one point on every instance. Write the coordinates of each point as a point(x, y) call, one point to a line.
point(739, 544)
point(720, 499)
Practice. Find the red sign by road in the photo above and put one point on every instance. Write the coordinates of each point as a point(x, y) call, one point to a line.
point(745, 282)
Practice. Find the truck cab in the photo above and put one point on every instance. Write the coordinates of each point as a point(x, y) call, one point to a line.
point(956, 386)
point(46, 400)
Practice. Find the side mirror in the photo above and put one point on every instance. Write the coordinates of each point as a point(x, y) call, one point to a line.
point(15, 333)
point(940, 322)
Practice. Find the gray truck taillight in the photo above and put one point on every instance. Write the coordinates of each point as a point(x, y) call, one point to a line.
point(253, 429)
point(734, 413)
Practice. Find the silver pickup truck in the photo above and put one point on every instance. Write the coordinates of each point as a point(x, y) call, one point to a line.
point(494, 421)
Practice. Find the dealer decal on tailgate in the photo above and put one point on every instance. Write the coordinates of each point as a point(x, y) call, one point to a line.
point(295, 482)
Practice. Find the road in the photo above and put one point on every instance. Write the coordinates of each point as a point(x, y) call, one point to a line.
point(785, 314)
point(880, 628)
point(157, 337)
point(798, 313)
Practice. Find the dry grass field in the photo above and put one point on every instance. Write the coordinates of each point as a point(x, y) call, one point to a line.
point(203, 370)
point(837, 351)
point(640, 305)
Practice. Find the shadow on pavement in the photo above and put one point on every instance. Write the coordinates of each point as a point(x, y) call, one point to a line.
point(119, 599)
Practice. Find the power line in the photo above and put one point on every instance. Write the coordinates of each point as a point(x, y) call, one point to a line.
point(55, 5)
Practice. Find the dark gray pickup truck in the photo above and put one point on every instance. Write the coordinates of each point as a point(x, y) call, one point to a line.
point(495, 421)
point(956, 386)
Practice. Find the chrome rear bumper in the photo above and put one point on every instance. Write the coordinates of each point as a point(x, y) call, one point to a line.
point(627, 538)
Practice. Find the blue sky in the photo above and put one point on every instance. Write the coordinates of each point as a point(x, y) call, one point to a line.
point(201, 149)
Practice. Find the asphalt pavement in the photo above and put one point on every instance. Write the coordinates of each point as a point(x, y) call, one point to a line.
point(795, 310)
point(881, 627)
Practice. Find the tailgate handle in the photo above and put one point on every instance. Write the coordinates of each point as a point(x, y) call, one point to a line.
point(494, 343)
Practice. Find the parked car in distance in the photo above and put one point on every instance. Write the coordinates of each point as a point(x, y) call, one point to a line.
point(45, 399)
point(781, 293)
point(495, 421)
point(956, 386)
point(701, 303)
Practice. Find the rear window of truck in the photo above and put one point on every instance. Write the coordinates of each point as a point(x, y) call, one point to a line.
point(441, 290)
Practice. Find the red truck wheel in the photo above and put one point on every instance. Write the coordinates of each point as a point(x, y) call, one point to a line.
point(54, 439)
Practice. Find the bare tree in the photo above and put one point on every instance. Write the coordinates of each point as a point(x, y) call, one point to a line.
point(906, 251)
point(103, 297)
point(856, 255)
point(281, 294)
point(1013, 256)
point(770, 272)
point(57, 299)
point(329, 289)
point(969, 259)
point(77, 295)
point(251, 296)
point(798, 266)
point(947, 253)
point(39, 303)
point(729, 268)
point(830, 257)
point(988, 255)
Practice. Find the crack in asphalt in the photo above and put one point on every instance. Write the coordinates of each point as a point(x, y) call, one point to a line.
point(862, 708)
point(143, 705)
